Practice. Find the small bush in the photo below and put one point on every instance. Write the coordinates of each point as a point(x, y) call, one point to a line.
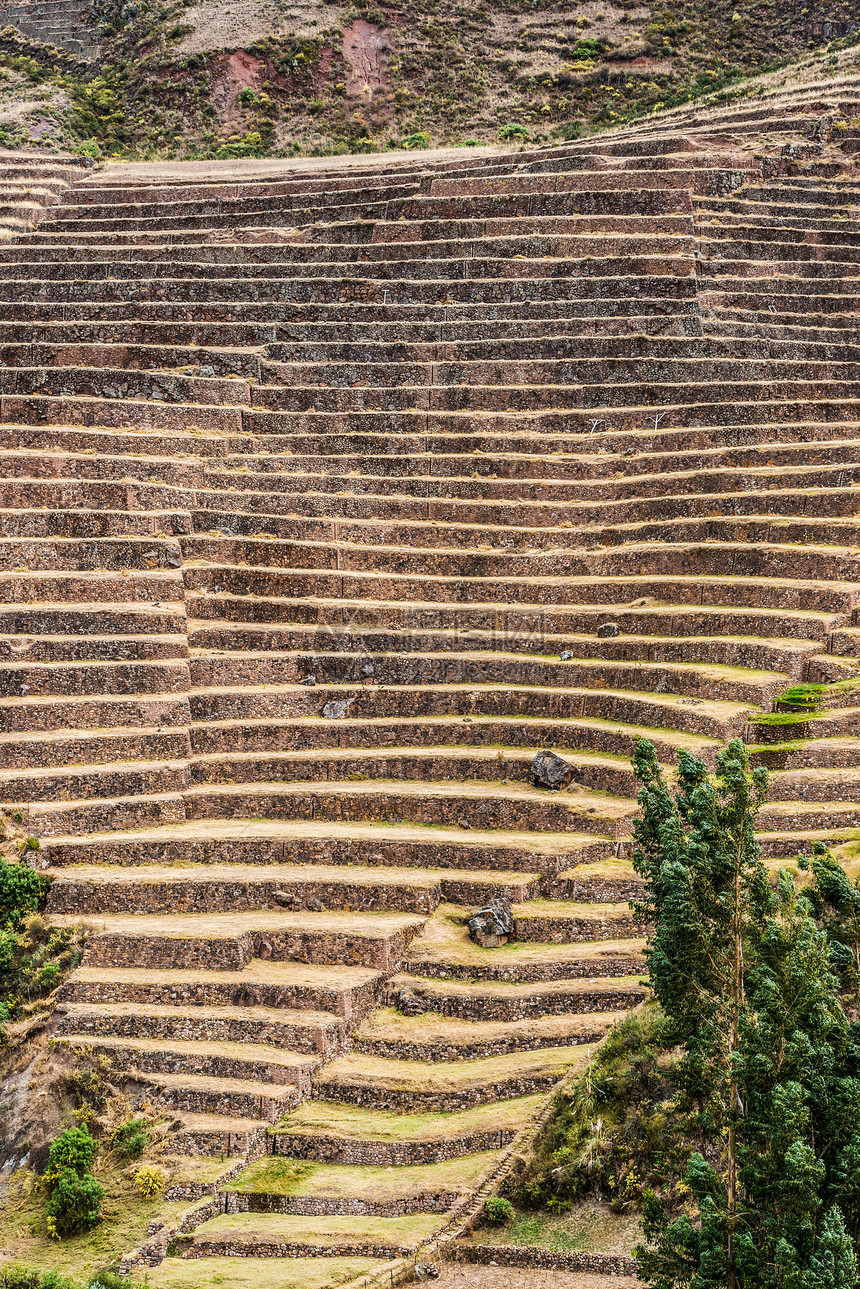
point(86, 1082)
point(149, 1181)
point(513, 130)
point(89, 148)
point(48, 977)
point(420, 139)
point(109, 1280)
point(246, 95)
point(22, 890)
point(498, 1211)
point(131, 1138)
point(251, 145)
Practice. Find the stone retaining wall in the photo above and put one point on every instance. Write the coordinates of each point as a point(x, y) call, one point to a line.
point(565, 930)
point(508, 1255)
point(480, 1007)
point(387, 1154)
point(213, 897)
point(399, 1050)
point(313, 1206)
point(411, 1100)
point(525, 973)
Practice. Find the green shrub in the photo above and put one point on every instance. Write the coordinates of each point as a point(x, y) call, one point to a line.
point(250, 146)
point(22, 890)
point(89, 148)
point(498, 1211)
point(588, 50)
point(74, 1204)
point(74, 1195)
point(420, 139)
point(513, 130)
point(246, 95)
point(74, 1149)
point(131, 1138)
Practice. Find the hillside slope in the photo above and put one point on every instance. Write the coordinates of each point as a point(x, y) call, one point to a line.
point(331, 495)
point(248, 77)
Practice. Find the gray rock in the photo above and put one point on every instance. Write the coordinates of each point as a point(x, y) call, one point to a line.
point(426, 1271)
point(408, 1003)
point(284, 897)
point(308, 680)
point(338, 709)
point(367, 669)
point(492, 925)
point(548, 770)
point(567, 655)
point(608, 629)
point(315, 905)
point(207, 371)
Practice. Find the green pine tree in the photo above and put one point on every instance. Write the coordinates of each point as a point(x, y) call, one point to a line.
point(834, 1263)
point(743, 973)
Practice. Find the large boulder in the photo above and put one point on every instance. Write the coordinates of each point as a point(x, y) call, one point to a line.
point(492, 925)
point(548, 770)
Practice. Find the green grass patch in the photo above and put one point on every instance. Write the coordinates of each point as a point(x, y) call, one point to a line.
point(589, 1227)
point(809, 696)
point(323, 1230)
point(338, 1119)
point(274, 1175)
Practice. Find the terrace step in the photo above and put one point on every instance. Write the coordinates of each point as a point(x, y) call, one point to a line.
point(340, 1133)
point(401, 1085)
point(342, 990)
point(252, 1062)
point(510, 1003)
point(313, 842)
point(239, 1098)
point(390, 1036)
point(231, 940)
point(377, 1192)
point(240, 887)
point(280, 1236)
point(287, 1028)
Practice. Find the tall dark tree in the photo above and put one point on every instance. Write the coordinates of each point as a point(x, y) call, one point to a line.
point(743, 973)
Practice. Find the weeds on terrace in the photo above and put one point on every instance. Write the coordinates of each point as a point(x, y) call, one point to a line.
point(21, 1277)
point(33, 955)
point(803, 696)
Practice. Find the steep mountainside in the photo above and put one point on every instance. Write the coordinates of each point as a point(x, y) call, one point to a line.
point(249, 77)
point(333, 493)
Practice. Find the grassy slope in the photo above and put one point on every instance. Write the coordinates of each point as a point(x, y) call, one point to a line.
point(126, 1216)
point(457, 71)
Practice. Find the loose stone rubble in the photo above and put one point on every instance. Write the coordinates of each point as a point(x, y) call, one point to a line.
point(426, 452)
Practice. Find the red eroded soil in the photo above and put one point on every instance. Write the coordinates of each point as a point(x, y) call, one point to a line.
point(365, 49)
point(236, 72)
